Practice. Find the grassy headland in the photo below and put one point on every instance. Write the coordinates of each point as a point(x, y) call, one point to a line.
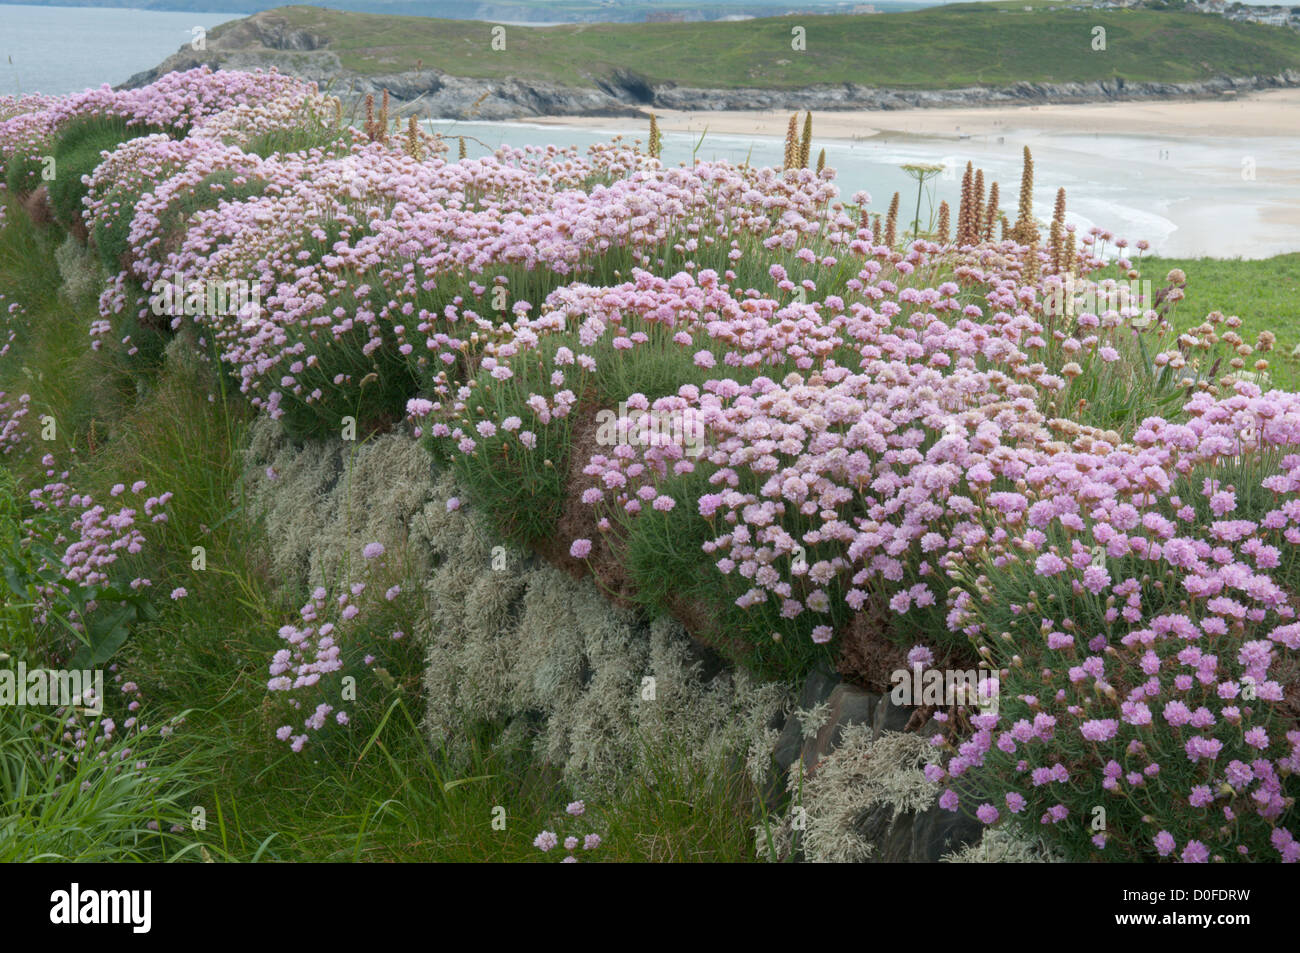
point(966, 44)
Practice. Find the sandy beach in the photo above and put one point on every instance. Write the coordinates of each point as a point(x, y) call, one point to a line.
point(1207, 177)
point(1256, 115)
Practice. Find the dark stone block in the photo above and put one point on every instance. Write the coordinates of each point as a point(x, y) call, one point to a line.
point(849, 705)
point(938, 832)
point(889, 717)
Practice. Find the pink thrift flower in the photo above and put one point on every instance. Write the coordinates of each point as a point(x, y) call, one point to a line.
point(545, 840)
point(920, 656)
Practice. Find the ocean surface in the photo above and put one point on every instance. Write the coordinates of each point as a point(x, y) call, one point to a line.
point(67, 49)
point(1184, 195)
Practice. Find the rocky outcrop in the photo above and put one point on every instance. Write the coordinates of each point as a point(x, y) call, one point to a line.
point(267, 40)
point(850, 773)
point(851, 96)
point(259, 41)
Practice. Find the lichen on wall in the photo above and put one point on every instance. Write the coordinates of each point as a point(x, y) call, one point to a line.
point(827, 805)
point(322, 501)
point(1004, 845)
point(525, 637)
point(79, 270)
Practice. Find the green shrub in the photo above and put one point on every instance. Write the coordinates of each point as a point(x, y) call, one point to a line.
point(315, 135)
point(671, 572)
point(23, 174)
point(77, 152)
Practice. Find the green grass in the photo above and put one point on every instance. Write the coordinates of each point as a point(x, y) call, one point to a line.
point(53, 811)
point(973, 43)
point(77, 152)
point(1264, 293)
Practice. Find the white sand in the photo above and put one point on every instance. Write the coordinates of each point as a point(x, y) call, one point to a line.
point(1263, 114)
point(1215, 177)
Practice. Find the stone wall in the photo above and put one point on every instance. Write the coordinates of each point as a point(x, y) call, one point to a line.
point(596, 689)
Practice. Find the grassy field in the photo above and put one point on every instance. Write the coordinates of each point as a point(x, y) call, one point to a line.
point(965, 44)
point(1265, 294)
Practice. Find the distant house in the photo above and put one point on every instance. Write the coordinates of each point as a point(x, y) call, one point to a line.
point(664, 16)
point(1273, 15)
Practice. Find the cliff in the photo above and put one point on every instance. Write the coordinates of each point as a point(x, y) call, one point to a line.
point(526, 82)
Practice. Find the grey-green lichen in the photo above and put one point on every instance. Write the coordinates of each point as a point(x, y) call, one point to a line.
point(813, 720)
point(1004, 844)
point(858, 776)
point(503, 642)
point(323, 500)
point(79, 269)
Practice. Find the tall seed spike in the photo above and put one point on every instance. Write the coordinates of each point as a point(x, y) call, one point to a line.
point(891, 221)
point(1026, 231)
point(991, 213)
point(1058, 232)
point(964, 205)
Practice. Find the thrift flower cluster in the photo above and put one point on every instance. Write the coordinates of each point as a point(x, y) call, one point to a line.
point(547, 841)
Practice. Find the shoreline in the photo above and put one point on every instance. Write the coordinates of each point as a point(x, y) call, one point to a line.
point(1195, 178)
point(1257, 114)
